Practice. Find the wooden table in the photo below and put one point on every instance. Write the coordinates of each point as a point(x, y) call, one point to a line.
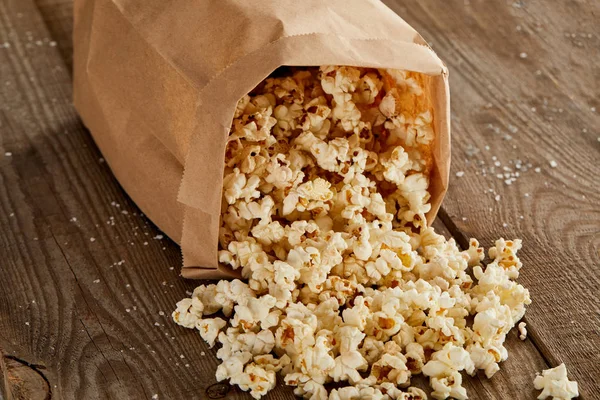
point(87, 285)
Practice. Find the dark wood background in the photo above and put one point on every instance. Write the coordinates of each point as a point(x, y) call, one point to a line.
point(87, 286)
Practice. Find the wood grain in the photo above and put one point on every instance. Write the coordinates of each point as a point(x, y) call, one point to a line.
point(525, 83)
point(81, 331)
point(87, 287)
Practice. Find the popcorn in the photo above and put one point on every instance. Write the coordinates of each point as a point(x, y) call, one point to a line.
point(350, 361)
point(522, 330)
point(391, 368)
point(555, 383)
point(475, 253)
point(444, 371)
point(325, 193)
point(505, 254)
point(229, 293)
point(345, 393)
point(256, 313)
point(188, 312)
point(255, 379)
point(267, 234)
point(237, 186)
point(209, 329)
point(310, 196)
point(232, 366)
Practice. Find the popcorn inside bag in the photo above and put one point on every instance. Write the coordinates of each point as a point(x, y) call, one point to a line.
point(325, 197)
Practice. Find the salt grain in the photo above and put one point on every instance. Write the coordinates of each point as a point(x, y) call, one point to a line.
point(523, 55)
point(97, 281)
point(553, 164)
point(460, 174)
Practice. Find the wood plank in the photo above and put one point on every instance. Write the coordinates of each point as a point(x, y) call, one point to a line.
point(58, 18)
point(87, 287)
point(22, 381)
point(517, 372)
point(525, 83)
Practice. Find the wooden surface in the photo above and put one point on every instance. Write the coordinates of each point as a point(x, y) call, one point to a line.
point(85, 280)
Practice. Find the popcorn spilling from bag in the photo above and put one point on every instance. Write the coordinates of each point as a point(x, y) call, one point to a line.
point(325, 194)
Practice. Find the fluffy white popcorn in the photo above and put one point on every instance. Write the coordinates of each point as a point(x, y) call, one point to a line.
point(554, 383)
point(505, 254)
point(486, 358)
point(358, 314)
point(237, 185)
point(391, 368)
point(209, 329)
point(316, 361)
point(255, 379)
point(188, 312)
point(261, 210)
point(325, 195)
point(232, 366)
point(476, 253)
point(256, 313)
point(522, 330)
point(267, 234)
point(309, 196)
point(444, 371)
point(268, 362)
point(350, 361)
point(345, 393)
point(447, 386)
point(229, 293)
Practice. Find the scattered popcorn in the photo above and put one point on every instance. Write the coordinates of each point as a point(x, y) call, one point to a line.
point(555, 383)
point(325, 194)
point(522, 330)
point(210, 328)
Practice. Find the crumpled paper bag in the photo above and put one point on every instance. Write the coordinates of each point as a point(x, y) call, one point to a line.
point(157, 81)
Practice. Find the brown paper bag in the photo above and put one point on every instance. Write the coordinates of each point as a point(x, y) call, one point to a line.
point(157, 81)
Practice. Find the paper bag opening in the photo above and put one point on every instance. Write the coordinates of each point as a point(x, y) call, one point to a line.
point(156, 82)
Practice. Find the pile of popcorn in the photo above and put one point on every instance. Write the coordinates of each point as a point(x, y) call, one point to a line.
point(324, 200)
